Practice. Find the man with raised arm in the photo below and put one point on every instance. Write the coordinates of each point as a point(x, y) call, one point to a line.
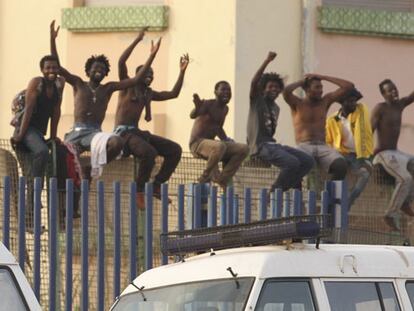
point(91, 102)
point(209, 118)
point(386, 120)
point(309, 118)
point(142, 144)
point(261, 127)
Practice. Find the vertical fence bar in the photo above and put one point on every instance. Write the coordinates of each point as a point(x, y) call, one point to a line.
point(236, 209)
point(37, 231)
point(69, 245)
point(212, 207)
point(278, 203)
point(133, 231)
point(263, 204)
point(53, 210)
point(117, 239)
point(100, 286)
point(190, 207)
point(297, 202)
point(164, 217)
point(311, 202)
point(85, 245)
point(272, 205)
point(180, 193)
point(230, 206)
point(197, 206)
point(21, 222)
point(148, 225)
point(247, 205)
point(341, 204)
point(286, 204)
point(6, 211)
point(223, 209)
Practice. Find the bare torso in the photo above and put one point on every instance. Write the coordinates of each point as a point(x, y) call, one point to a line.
point(388, 125)
point(131, 103)
point(208, 125)
point(91, 104)
point(309, 120)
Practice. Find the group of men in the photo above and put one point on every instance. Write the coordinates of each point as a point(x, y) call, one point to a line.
point(338, 144)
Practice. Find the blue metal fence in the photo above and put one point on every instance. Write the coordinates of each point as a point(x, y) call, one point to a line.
point(204, 208)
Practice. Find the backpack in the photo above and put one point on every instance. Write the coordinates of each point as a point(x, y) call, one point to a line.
point(19, 101)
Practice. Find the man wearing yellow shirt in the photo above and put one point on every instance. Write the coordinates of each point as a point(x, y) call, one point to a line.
point(349, 131)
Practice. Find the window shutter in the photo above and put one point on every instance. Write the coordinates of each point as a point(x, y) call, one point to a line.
point(386, 5)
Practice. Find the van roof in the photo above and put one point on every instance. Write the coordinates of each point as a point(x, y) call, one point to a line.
point(301, 260)
point(6, 258)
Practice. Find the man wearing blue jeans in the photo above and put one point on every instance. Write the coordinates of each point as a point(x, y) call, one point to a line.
point(261, 127)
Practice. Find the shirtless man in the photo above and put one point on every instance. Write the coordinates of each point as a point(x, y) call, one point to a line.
point(209, 118)
point(309, 118)
point(91, 101)
point(386, 119)
point(142, 144)
point(261, 127)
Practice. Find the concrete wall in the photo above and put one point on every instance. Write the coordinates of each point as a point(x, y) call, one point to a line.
point(263, 26)
point(24, 39)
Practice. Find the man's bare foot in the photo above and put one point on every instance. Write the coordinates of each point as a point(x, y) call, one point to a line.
point(406, 208)
point(157, 194)
point(391, 222)
point(140, 197)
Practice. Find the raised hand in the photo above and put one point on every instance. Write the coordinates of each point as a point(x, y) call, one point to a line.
point(141, 34)
point(184, 61)
point(271, 56)
point(155, 47)
point(54, 32)
point(196, 99)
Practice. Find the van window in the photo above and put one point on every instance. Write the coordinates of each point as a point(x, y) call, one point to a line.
point(410, 290)
point(10, 295)
point(286, 295)
point(362, 296)
point(226, 294)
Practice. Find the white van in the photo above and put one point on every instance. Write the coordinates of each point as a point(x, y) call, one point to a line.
point(289, 277)
point(15, 291)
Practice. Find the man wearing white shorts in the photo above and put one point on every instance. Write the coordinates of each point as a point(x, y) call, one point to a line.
point(386, 119)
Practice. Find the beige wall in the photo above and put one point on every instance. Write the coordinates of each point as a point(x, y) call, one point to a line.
point(367, 61)
point(263, 26)
point(24, 39)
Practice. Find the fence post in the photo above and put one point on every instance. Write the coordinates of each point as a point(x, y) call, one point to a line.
point(247, 205)
point(189, 224)
point(341, 204)
point(212, 207)
point(223, 209)
point(286, 204)
point(278, 203)
point(164, 216)
point(117, 239)
point(297, 202)
point(6, 211)
point(133, 231)
point(37, 231)
point(53, 208)
point(100, 286)
point(197, 206)
point(69, 244)
point(230, 205)
point(85, 245)
point(22, 222)
point(148, 225)
point(180, 199)
point(311, 202)
point(263, 204)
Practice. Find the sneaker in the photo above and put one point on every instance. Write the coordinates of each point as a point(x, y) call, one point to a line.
point(391, 222)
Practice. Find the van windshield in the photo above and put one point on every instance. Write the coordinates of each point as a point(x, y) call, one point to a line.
point(227, 294)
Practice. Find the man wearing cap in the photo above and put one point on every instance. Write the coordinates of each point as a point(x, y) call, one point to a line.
point(349, 131)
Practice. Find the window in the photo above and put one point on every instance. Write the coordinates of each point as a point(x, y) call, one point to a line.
point(362, 296)
point(386, 5)
point(286, 295)
point(10, 295)
point(228, 294)
point(410, 290)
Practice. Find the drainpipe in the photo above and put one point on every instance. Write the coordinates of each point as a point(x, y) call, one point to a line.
point(308, 35)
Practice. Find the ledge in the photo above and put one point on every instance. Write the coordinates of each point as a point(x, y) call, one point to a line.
point(110, 19)
point(366, 22)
